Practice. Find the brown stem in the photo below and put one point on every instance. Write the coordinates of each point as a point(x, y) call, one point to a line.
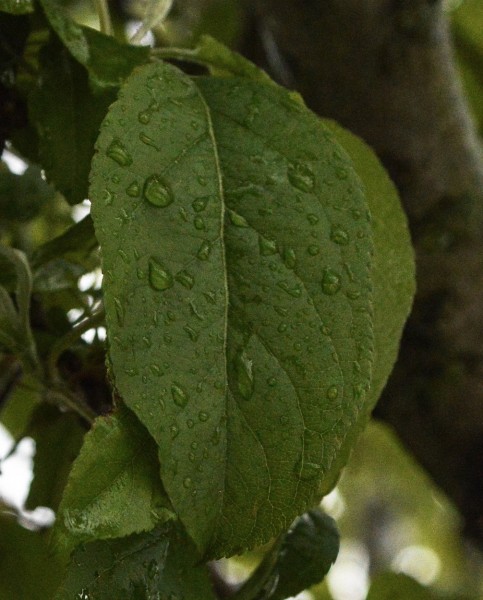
point(384, 69)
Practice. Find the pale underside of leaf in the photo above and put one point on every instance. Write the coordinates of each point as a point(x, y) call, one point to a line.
point(236, 250)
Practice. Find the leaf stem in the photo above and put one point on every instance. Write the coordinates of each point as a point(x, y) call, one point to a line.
point(105, 22)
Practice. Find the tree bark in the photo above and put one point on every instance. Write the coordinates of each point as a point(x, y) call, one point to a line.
point(385, 70)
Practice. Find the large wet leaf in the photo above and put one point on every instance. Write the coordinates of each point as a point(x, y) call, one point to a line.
point(236, 249)
point(114, 488)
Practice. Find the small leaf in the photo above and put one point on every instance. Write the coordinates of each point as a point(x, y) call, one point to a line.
point(158, 564)
point(67, 127)
point(113, 489)
point(58, 439)
point(27, 568)
point(16, 7)
point(108, 61)
point(299, 560)
point(241, 365)
point(20, 406)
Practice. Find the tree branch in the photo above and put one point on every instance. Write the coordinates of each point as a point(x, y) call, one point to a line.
point(384, 69)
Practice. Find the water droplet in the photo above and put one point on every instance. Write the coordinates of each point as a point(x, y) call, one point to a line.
point(119, 311)
point(187, 483)
point(339, 235)
point(145, 139)
point(199, 204)
point(312, 219)
point(185, 279)
point(134, 189)
point(193, 334)
point(144, 117)
point(289, 258)
point(157, 192)
point(313, 249)
point(204, 250)
point(159, 278)
point(174, 431)
point(267, 247)
point(244, 372)
point(282, 327)
point(353, 294)
point(203, 416)
point(237, 220)
point(179, 395)
point(284, 420)
point(108, 197)
point(332, 392)
point(118, 152)
point(271, 381)
point(301, 176)
point(190, 423)
point(199, 223)
point(330, 282)
point(294, 291)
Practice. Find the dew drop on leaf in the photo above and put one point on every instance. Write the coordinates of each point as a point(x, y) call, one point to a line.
point(339, 235)
point(199, 223)
point(119, 311)
point(203, 416)
point(295, 291)
point(312, 219)
point(244, 375)
point(267, 247)
point(185, 279)
point(313, 249)
point(144, 117)
point(289, 258)
point(204, 250)
point(330, 282)
point(145, 139)
point(301, 176)
point(332, 392)
point(192, 333)
point(199, 204)
point(237, 220)
point(118, 152)
point(159, 278)
point(157, 192)
point(179, 395)
point(133, 190)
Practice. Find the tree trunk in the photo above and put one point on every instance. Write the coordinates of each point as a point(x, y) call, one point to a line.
point(384, 69)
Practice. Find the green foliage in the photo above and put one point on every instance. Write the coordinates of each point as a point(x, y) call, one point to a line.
point(114, 488)
point(257, 276)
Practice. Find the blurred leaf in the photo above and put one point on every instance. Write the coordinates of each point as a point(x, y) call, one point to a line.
point(17, 412)
point(28, 570)
point(77, 241)
point(23, 196)
point(69, 126)
point(244, 419)
point(155, 12)
point(222, 20)
point(15, 332)
point(58, 439)
point(298, 561)
point(16, 7)
point(114, 487)
point(108, 61)
point(57, 275)
point(467, 27)
point(159, 564)
point(393, 272)
point(397, 586)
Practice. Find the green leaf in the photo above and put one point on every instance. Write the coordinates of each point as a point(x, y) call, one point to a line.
point(299, 560)
point(141, 567)
point(113, 489)
point(58, 439)
point(21, 404)
point(155, 12)
point(236, 249)
point(16, 7)
point(393, 275)
point(108, 61)
point(67, 127)
point(217, 58)
point(28, 570)
point(397, 586)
